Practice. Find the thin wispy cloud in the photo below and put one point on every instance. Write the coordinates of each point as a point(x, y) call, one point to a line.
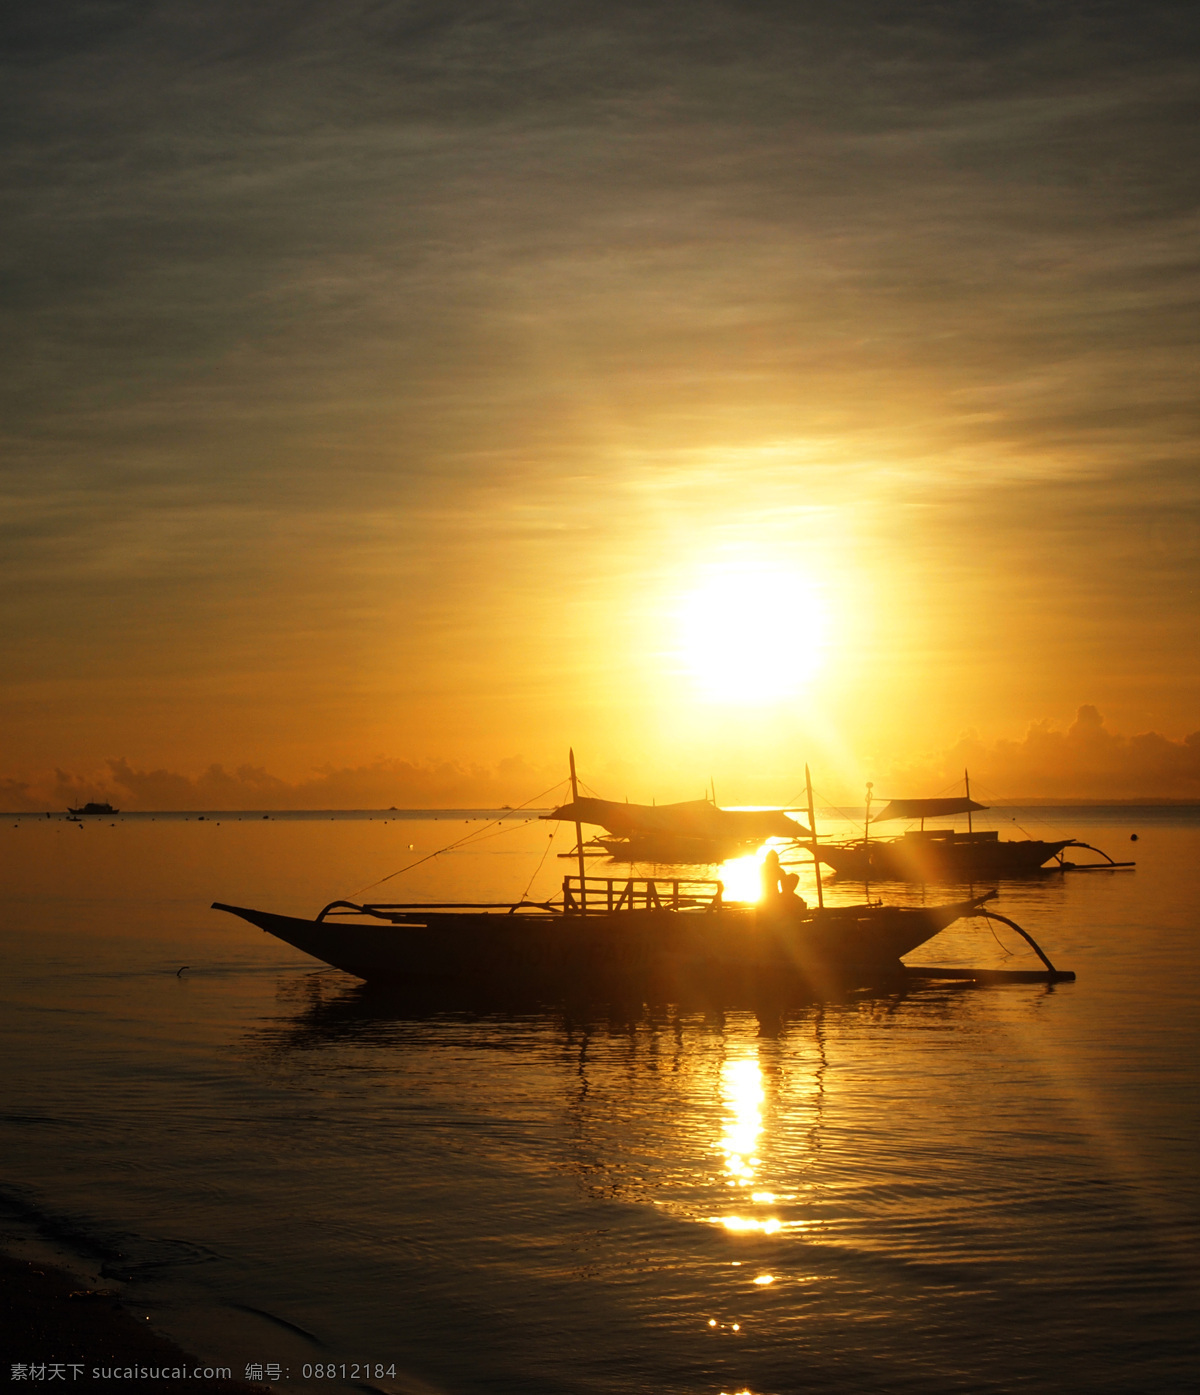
point(345, 331)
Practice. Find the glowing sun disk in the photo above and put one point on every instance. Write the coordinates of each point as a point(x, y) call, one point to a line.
point(751, 633)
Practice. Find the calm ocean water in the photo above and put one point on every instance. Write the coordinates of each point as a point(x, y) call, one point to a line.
point(949, 1190)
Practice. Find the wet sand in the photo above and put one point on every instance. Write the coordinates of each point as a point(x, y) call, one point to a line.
point(49, 1319)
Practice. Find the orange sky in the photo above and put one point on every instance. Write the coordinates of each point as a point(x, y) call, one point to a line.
point(421, 394)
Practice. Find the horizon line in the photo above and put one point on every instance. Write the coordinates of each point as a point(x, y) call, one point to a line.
point(1038, 801)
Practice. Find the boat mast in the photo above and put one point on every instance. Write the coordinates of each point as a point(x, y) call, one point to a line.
point(812, 824)
point(578, 833)
point(967, 782)
point(867, 842)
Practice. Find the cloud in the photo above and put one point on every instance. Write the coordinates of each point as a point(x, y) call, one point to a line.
point(16, 797)
point(329, 329)
point(1087, 761)
point(380, 785)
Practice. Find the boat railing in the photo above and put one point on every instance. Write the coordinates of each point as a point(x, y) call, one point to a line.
point(608, 895)
point(587, 895)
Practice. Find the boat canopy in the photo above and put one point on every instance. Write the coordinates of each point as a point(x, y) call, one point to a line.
point(926, 809)
point(695, 818)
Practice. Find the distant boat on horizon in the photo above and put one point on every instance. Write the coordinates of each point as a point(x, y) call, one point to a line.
point(93, 808)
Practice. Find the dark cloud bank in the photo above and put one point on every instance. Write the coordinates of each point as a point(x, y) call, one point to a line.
point(1087, 761)
point(380, 785)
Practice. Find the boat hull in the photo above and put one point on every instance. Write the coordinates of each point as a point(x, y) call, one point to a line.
point(823, 948)
point(930, 858)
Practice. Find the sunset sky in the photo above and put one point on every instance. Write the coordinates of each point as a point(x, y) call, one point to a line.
point(714, 387)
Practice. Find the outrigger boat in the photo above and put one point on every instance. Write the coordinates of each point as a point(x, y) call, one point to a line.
point(946, 854)
point(604, 931)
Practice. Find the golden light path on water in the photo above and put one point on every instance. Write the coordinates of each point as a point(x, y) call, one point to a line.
point(742, 1095)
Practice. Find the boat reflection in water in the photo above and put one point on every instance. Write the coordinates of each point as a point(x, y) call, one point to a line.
point(710, 1109)
point(719, 1185)
point(675, 1104)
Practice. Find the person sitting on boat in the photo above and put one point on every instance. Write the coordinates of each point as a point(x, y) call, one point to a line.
point(788, 895)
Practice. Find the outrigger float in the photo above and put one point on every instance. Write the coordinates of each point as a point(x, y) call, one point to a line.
point(604, 932)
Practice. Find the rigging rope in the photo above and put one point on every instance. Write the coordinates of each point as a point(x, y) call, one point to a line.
point(997, 803)
point(476, 833)
point(538, 868)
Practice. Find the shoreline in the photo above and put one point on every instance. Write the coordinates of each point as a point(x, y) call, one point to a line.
point(49, 1320)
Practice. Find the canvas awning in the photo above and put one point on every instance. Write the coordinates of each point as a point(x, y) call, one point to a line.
point(695, 818)
point(925, 809)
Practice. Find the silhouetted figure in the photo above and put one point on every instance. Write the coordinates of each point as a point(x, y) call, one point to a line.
point(771, 874)
point(788, 895)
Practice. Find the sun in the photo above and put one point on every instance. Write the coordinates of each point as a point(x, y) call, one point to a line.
point(752, 632)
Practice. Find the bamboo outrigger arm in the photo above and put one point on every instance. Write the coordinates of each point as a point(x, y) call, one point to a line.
point(1025, 935)
point(1104, 866)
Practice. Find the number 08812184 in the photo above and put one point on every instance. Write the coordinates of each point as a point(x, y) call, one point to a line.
point(348, 1370)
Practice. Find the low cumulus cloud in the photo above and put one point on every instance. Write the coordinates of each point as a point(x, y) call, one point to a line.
point(1087, 761)
point(380, 785)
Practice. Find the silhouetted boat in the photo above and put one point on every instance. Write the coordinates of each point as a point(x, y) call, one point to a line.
point(621, 931)
point(946, 854)
point(609, 930)
point(91, 808)
point(696, 830)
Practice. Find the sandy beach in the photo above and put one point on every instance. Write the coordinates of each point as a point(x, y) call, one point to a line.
point(56, 1330)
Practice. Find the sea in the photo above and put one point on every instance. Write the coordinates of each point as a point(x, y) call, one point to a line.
point(933, 1188)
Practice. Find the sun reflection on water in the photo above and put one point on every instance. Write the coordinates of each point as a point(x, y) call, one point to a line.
point(743, 1095)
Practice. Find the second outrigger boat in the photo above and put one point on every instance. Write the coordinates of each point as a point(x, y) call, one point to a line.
point(606, 931)
point(947, 854)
